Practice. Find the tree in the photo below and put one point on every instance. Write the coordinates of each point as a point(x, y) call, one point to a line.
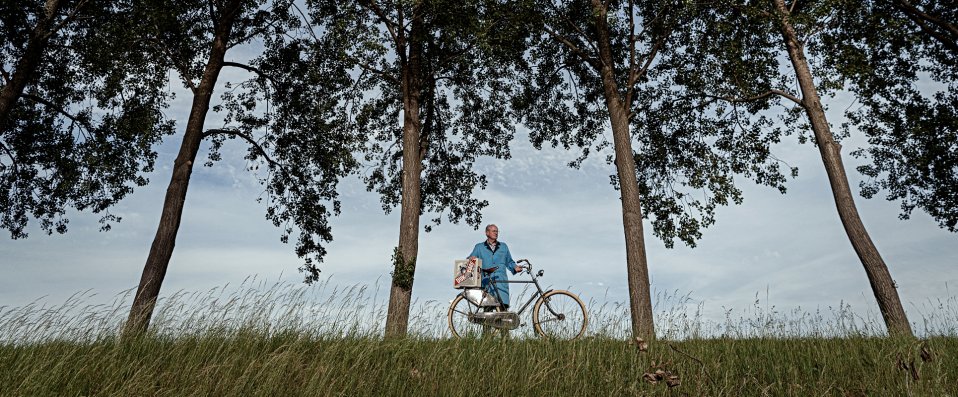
point(297, 140)
point(616, 64)
point(901, 61)
point(442, 66)
point(769, 28)
point(932, 18)
point(80, 109)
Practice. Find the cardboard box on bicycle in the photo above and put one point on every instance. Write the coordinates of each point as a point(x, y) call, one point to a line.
point(466, 273)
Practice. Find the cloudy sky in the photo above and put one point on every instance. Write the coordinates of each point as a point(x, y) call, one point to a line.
point(789, 251)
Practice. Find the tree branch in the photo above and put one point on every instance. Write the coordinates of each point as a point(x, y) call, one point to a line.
point(13, 159)
point(652, 53)
point(365, 66)
point(944, 40)
point(83, 123)
point(390, 25)
point(69, 18)
point(704, 368)
point(765, 94)
point(911, 9)
point(241, 40)
point(214, 20)
point(453, 55)
point(308, 24)
point(400, 37)
point(429, 120)
point(635, 75)
point(576, 27)
point(574, 48)
point(251, 69)
point(632, 41)
point(745, 10)
point(244, 136)
point(177, 64)
point(919, 18)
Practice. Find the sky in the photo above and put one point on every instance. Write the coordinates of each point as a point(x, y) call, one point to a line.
point(788, 252)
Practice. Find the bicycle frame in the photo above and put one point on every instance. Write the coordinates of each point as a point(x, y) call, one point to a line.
point(535, 280)
point(539, 292)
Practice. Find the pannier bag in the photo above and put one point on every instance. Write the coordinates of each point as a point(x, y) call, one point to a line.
point(466, 273)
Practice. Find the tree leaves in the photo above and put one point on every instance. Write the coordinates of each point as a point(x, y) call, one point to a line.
point(687, 146)
point(905, 76)
point(295, 108)
point(80, 133)
point(463, 94)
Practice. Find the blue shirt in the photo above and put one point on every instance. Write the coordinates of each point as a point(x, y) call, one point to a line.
point(501, 258)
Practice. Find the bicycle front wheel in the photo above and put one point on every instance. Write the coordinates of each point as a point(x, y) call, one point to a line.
point(460, 312)
point(559, 314)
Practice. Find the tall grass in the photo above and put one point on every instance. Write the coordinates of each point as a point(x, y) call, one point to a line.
point(283, 339)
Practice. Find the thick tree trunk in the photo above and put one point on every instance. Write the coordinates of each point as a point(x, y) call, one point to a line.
point(162, 249)
point(637, 266)
point(404, 260)
point(28, 63)
point(881, 282)
point(640, 296)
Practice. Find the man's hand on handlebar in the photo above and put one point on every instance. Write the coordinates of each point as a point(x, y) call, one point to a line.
point(520, 268)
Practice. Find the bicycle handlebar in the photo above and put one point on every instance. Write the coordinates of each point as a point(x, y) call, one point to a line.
point(528, 265)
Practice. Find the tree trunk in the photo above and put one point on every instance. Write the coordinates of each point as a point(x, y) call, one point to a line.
point(404, 259)
point(27, 64)
point(637, 266)
point(881, 282)
point(162, 249)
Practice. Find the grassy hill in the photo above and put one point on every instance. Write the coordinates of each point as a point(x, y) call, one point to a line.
point(276, 341)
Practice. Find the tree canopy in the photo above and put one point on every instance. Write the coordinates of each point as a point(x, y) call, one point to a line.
point(463, 106)
point(901, 62)
point(82, 108)
point(297, 138)
point(294, 108)
point(688, 147)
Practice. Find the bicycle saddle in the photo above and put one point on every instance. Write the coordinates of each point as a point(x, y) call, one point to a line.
point(490, 270)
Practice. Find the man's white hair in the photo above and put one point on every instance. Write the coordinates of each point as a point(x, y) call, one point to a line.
point(491, 225)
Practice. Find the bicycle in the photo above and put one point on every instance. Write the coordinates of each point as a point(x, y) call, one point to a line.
point(557, 314)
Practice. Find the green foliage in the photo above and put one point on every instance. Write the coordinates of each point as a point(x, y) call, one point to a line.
point(904, 72)
point(901, 71)
point(688, 148)
point(460, 82)
point(81, 132)
point(295, 109)
point(403, 270)
point(286, 110)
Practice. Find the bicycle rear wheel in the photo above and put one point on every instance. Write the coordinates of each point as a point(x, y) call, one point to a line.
point(460, 310)
point(559, 314)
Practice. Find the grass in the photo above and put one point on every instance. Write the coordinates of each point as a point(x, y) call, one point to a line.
point(278, 341)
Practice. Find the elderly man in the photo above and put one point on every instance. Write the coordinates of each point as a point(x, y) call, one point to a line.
point(495, 255)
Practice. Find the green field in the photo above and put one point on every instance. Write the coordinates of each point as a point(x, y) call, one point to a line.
point(277, 343)
point(248, 363)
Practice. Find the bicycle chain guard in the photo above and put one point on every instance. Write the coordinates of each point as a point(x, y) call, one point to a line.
point(501, 320)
